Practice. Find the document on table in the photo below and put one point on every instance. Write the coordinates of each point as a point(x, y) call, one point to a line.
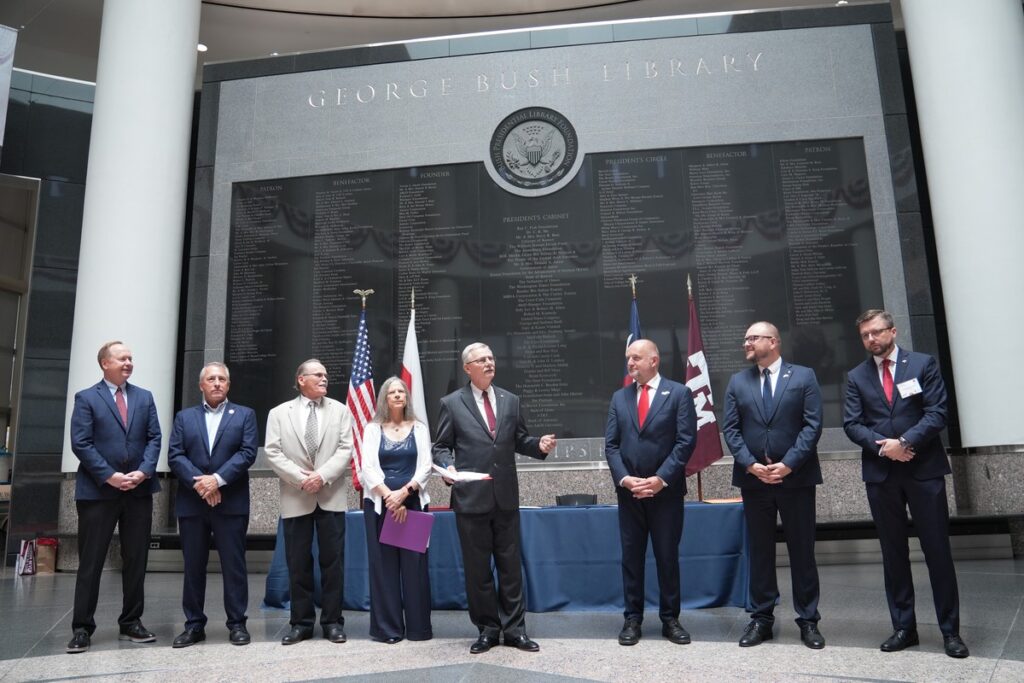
point(460, 476)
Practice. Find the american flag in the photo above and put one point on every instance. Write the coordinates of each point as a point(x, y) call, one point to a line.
point(634, 334)
point(361, 396)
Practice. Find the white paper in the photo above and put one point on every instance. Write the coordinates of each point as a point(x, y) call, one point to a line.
point(909, 388)
point(460, 476)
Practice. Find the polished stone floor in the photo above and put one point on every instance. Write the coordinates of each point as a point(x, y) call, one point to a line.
point(36, 614)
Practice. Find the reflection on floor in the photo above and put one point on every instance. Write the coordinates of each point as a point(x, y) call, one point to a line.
point(36, 614)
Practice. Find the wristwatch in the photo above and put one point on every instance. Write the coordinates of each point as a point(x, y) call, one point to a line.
point(904, 443)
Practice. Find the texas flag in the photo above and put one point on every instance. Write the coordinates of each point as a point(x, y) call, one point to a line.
point(634, 334)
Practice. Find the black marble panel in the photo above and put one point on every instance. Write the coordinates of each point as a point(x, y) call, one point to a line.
point(44, 391)
point(202, 210)
point(740, 23)
point(58, 139)
point(59, 87)
point(206, 136)
point(35, 498)
point(837, 16)
point(252, 68)
point(191, 363)
point(915, 265)
point(901, 163)
point(887, 63)
point(59, 225)
point(930, 336)
point(198, 288)
point(51, 313)
point(12, 161)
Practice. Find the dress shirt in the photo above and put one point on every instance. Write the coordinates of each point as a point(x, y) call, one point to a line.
point(773, 374)
point(652, 389)
point(478, 394)
point(892, 364)
point(213, 418)
point(113, 390)
point(319, 415)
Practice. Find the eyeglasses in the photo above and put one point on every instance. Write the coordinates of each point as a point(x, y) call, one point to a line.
point(868, 334)
point(754, 337)
point(483, 360)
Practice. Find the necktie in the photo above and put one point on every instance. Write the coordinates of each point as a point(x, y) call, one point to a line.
point(492, 424)
point(766, 392)
point(643, 405)
point(312, 432)
point(122, 406)
point(887, 380)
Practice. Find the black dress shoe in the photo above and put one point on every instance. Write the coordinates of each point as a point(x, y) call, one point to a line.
point(630, 633)
point(755, 634)
point(482, 644)
point(188, 637)
point(239, 636)
point(334, 633)
point(900, 640)
point(955, 647)
point(79, 642)
point(392, 640)
point(675, 632)
point(811, 636)
point(297, 635)
point(523, 643)
point(137, 633)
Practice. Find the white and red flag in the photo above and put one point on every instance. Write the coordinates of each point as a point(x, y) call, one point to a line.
point(698, 379)
point(411, 373)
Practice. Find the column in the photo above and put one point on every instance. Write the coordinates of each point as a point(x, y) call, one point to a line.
point(967, 60)
point(129, 272)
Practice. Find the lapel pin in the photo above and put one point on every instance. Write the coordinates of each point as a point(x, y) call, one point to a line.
point(231, 411)
point(664, 393)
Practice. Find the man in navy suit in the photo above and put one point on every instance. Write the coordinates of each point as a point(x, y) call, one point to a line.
point(480, 429)
point(212, 447)
point(895, 410)
point(650, 435)
point(115, 434)
point(772, 425)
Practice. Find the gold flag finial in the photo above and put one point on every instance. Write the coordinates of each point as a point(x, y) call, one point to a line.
point(632, 283)
point(363, 293)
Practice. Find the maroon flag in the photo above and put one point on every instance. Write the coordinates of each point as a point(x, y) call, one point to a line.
point(698, 379)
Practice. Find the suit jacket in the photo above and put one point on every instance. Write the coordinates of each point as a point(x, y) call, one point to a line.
point(286, 452)
point(868, 417)
point(103, 445)
point(463, 440)
point(231, 455)
point(789, 435)
point(663, 445)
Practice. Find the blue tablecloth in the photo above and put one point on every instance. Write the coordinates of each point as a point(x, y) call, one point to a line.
point(571, 560)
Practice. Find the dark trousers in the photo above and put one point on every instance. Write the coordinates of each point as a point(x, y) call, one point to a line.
point(228, 533)
point(661, 519)
point(483, 536)
point(926, 499)
point(298, 550)
point(399, 582)
point(761, 507)
point(133, 517)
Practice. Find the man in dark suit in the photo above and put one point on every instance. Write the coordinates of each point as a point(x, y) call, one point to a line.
point(650, 435)
point(772, 425)
point(895, 410)
point(212, 447)
point(480, 429)
point(115, 434)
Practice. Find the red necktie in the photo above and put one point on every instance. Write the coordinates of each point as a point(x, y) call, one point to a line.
point(122, 406)
point(643, 405)
point(887, 380)
point(489, 412)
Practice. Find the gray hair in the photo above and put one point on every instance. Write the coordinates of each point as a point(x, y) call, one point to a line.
point(215, 364)
point(475, 346)
point(383, 414)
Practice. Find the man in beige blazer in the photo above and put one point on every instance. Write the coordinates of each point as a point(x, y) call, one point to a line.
point(309, 445)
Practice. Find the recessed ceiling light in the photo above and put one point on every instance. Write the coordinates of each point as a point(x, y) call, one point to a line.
point(274, 54)
point(201, 47)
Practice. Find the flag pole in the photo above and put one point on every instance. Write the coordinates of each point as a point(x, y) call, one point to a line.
point(700, 481)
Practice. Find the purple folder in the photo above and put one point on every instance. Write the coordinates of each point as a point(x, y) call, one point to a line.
point(413, 535)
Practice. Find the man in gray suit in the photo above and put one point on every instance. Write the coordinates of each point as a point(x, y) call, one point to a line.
point(480, 429)
point(309, 445)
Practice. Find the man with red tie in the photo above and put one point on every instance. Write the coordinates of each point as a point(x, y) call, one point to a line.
point(895, 410)
point(650, 435)
point(115, 434)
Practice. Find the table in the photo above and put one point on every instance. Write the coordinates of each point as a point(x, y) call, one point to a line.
point(571, 560)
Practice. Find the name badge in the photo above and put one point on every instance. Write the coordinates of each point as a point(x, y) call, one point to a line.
point(909, 388)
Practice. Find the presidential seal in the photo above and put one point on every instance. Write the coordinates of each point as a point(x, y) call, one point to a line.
point(534, 151)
